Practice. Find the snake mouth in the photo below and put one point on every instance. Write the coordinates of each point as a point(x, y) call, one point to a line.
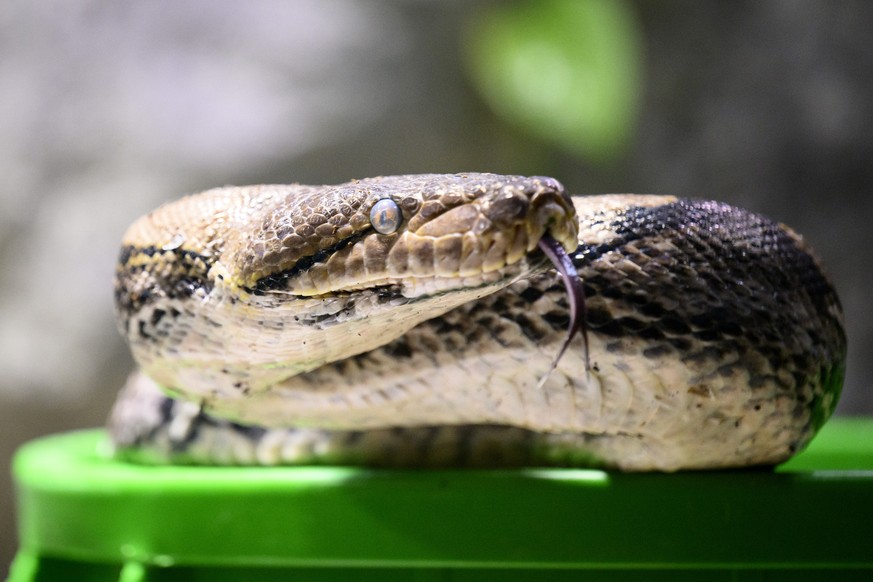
point(420, 266)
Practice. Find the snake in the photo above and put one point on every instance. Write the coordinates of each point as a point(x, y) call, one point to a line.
point(470, 320)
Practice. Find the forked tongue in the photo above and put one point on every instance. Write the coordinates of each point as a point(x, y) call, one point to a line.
point(575, 297)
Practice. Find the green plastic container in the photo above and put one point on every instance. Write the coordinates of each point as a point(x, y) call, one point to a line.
point(83, 516)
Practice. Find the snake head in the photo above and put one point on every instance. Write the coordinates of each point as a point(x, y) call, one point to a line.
point(419, 234)
point(236, 289)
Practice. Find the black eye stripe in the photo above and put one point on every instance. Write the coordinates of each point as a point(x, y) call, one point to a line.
point(279, 280)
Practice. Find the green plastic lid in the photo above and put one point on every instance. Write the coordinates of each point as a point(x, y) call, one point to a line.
point(83, 515)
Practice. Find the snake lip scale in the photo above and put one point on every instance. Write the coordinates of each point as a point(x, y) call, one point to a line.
point(414, 321)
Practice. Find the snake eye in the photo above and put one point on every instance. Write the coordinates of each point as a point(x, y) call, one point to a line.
point(385, 216)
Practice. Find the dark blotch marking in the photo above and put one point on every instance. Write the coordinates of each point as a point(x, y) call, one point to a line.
point(253, 433)
point(157, 315)
point(557, 319)
point(181, 275)
point(398, 349)
point(657, 351)
point(531, 294)
point(531, 328)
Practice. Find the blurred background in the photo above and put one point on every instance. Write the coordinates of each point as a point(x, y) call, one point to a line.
point(109, 109)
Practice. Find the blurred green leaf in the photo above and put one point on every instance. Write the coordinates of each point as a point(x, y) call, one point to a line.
point(567, 71)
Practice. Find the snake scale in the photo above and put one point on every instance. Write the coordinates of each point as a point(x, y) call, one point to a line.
point(416, 321)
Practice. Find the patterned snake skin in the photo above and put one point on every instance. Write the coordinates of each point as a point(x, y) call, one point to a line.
point(296, 324)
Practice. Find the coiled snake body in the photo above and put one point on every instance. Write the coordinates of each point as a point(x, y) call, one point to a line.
point(414, 320)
